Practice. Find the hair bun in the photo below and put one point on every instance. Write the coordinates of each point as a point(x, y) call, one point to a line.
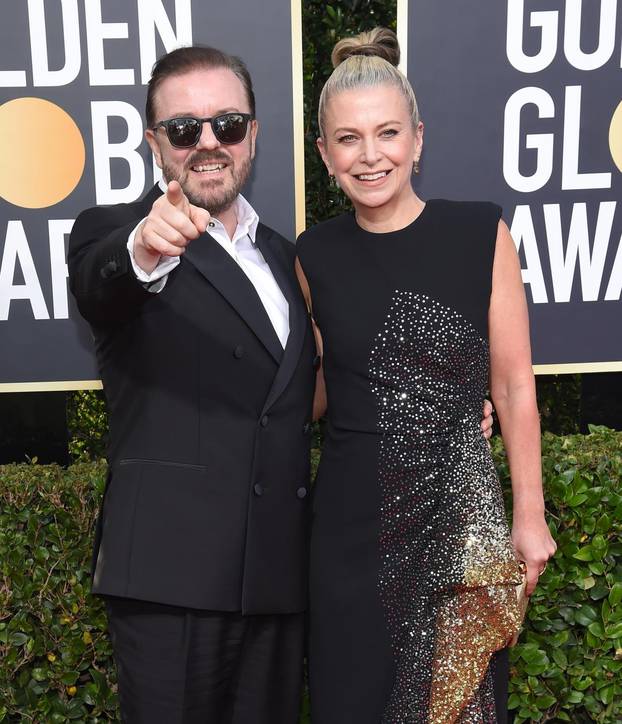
point(379, 42)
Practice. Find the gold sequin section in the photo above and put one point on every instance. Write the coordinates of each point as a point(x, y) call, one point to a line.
point(470, 625)
point(448, 570)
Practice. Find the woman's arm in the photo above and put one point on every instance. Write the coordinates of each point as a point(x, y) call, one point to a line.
point(319, 399)
point(512, 386)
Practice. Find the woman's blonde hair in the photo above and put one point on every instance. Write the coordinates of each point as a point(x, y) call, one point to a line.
point(366, 60)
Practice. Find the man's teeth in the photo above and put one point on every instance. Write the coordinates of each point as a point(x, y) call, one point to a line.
point(211, 168)
point(371, 176)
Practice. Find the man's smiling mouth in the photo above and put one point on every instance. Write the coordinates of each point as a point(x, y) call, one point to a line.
point(209, 167)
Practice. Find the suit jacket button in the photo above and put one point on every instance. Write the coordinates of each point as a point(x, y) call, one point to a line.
point(258, 489)
point(264, 421)
point(301, 493)
point(306, 428)
point(238, 352)
point(109, 268)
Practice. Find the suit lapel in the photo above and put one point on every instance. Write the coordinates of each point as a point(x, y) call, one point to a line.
point(283, 270)
point(213, 262)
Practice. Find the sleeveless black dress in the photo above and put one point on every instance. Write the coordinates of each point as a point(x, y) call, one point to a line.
point(413, 573)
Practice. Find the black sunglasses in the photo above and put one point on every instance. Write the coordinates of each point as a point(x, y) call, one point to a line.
point(185, 132)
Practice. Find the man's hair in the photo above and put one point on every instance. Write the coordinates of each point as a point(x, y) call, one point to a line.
point(196, 57)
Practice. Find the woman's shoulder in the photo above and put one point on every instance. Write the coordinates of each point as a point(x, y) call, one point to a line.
point(467, 211)
point(325, 231)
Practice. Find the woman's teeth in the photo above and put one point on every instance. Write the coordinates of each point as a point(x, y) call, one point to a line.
point(371, 176)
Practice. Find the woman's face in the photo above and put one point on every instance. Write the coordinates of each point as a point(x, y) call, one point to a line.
point(370, 145)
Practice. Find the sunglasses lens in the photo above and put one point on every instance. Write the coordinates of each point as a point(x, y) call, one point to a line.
point(230, 127)
point(183, 132)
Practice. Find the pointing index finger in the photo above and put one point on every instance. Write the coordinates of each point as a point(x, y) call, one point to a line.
point(175, 194)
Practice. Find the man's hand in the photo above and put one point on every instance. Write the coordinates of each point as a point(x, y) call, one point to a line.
point(487, 419)
point(172, 223)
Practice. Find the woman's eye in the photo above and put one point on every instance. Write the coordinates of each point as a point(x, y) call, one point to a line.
point(388, 132)
point(347, 138)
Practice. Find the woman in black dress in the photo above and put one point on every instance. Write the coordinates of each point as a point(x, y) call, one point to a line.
point(420, 309)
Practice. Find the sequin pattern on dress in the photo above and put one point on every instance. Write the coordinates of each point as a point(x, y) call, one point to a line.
point(448, 568)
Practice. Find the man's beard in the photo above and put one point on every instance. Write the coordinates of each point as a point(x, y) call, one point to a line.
point(215, 197)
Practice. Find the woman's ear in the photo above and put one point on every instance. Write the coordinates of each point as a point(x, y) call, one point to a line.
point(418, 142)
point(322, 149)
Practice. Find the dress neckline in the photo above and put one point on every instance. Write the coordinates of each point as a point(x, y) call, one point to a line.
point(385, 234)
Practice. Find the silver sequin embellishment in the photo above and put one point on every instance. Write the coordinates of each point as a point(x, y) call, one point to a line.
point(447, 564)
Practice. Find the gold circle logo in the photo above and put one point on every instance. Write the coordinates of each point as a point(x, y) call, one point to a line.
point(42, 153)
point(615, 137)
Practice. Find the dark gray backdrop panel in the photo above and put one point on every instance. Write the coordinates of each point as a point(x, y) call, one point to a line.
point(458, 65)
point(59, 350)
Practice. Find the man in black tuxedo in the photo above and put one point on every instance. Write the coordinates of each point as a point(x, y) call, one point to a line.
point(206, 355)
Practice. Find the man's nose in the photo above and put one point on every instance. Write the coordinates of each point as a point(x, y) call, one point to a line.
point(207, 139)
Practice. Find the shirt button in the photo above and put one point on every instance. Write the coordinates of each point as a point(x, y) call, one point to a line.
point(238, 352)
point(264, 421)
point(258, 489)
point(301, 493)
point(211, 224)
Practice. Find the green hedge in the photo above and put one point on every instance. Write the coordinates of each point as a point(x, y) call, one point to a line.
point(55, 658)
point(568, 666)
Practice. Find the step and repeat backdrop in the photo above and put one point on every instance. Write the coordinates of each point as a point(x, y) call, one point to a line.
point(522, 105)
point(73, 77)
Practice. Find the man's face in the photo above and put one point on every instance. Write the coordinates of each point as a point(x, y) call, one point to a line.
point(210, 173)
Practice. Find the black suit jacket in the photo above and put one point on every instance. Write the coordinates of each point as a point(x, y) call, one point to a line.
point(206, 504)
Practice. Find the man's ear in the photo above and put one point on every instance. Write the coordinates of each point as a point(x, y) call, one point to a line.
point(154, 146)
point(322, 149)
point(254, 130)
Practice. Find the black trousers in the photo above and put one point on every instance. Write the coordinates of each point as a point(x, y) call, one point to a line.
point(185, 666)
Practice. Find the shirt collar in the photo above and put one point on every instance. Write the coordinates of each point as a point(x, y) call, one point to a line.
point(247, 217)
point(248, 220)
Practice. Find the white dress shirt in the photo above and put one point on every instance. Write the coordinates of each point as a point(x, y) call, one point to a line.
point(243, 251)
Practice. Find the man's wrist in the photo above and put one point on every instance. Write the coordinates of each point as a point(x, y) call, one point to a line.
point(146, 260)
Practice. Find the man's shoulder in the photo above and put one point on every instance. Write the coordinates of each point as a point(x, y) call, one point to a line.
point(278, 240)
point(118, 214)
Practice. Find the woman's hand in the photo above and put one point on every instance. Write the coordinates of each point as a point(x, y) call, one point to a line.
point(487, 419)
point(533, 544)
